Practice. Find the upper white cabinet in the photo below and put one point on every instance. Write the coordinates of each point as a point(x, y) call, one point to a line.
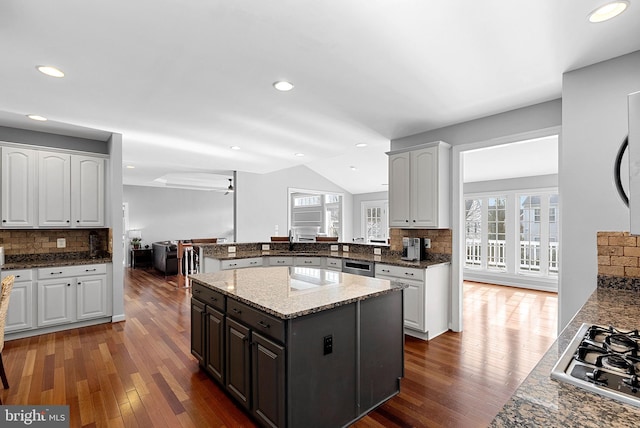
point(18, 187)
point(419, 187)
point(87, 191)
point(52, 189)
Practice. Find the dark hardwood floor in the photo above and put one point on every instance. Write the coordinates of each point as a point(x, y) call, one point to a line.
point(140, 373)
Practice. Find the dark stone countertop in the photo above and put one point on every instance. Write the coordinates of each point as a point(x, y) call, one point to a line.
point(32, 261)
point(543, 402)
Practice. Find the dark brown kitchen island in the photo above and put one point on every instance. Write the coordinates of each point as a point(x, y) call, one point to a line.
point(299, 346)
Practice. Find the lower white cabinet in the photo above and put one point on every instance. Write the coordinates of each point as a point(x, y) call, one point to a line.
point(426, 300)
point(241, 263)
point(20, 312)
point(74, 293)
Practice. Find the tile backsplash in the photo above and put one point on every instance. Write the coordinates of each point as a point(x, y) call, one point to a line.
point(441, 239)
point(44, 241)
point(618, 261)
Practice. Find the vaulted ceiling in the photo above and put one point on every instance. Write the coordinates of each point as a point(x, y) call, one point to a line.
point(184, 81)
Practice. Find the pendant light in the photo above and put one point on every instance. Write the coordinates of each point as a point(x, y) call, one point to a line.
point(230, 189)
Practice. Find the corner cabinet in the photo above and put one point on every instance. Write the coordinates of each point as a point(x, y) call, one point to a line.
point(419, 186)
point(426, 300)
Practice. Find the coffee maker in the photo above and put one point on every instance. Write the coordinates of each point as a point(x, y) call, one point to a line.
point(413, 249)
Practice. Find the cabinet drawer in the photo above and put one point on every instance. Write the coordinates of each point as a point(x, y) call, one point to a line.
point(333, 263)
point(281, 261)
point(230, 264)
point(257, 320)
point(66, 271)
point(241, 263)
point(308, 261)
point(400, 272)
point(21, 274)
point(209, 296)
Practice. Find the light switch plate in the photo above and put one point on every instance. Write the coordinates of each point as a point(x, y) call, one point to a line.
point(427, 243)
point(377, 251)
point(345, 248)
point(265, 247)
point(61, 243)
point(334, 248)
point(231, 249)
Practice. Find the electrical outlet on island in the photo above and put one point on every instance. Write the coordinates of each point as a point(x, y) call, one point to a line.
point(231, 249)
point(265, 247)
point(377, 251)
point(345, 248)
point(334, 247)
point(61, 243)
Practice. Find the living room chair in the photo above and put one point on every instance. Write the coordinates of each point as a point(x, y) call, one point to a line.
point(7, 286)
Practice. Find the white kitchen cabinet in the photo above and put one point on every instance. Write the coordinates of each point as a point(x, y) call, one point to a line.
point(426, 300)
point(18, 187)
point(280, 261)
point(241, 263)
point(419, 187)
point(70, 190)
point(54, 189)
point(20, 311)
point(72, 293)
point(87, 191)
point(307, 261)
point(334, 263)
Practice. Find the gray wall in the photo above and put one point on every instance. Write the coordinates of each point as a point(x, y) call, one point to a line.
point(594, 111)
point(172, 214)
point(262, 201)
point(357, 208)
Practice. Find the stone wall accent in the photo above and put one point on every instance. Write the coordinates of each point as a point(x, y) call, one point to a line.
point(618, 254)
point(18, 242)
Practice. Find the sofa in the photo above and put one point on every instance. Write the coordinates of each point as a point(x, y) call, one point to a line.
point(165, 257)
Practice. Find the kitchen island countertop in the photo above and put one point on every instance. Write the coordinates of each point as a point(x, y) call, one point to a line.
point(290, 292)
point(543, 402)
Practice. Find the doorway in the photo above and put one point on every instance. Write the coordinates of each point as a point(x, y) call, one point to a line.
point(491, 153)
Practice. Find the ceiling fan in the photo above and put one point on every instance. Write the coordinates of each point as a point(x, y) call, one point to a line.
point(230, 189)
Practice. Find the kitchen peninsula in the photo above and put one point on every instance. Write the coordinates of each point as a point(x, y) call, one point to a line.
point(299, 346)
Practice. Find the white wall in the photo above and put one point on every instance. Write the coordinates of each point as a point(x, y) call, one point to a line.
point(357, 208)
point(594, 123)
point(172, 214)
point(262, 201)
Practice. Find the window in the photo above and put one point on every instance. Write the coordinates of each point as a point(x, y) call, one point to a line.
point(375, 225)
point(473, 228)
point(538, 233)
point(314, 213)
point(496, 233)
point(306, 201)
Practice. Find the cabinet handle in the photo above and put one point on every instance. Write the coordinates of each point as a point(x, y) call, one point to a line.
point(196, 291)
point(17, 276)
point(407, 221)
point(56, 273)
point(307, 261)
point(68, 285)
point(233, 264)
point(79, 283)
point(68, 221)
point(408, 273)
point(236, 311)
point(264, 324)
point(77, 221)
point(213, 299)
point(386, 270)
point(90, 270)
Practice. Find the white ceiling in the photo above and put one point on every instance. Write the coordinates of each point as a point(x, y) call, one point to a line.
point(185, 80)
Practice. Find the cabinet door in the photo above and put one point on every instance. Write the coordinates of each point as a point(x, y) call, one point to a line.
point(424, 190)
point(214, 343)
point(20, 311)
point(92, 297)
point(87, 191)
point(18, 187)
point(268, 373)
point(56, 302)
point(54, 189)
point(399, 196)
point(238, 359)
point(414, 306)
point(197, 330)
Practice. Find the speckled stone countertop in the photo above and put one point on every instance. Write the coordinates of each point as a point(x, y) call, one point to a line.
point(290, 292)
point(386, 259)
point(32, 261)
point(543, 402)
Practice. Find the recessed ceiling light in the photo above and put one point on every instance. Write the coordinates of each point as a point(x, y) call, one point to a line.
point(608, 11)
point(235, 148)
point(130, 167)
point(361, 145)
point(283, 86)
point(50, 70)
point(353, 168)
point(299, 154)
point(37, 117)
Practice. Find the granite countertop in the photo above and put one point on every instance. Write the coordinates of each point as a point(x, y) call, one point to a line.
point(390, 260)
point(32, 261)
point(290, 292)
point(543, 402)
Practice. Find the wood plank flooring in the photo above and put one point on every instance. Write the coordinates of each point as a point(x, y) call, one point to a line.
point(140, 373)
